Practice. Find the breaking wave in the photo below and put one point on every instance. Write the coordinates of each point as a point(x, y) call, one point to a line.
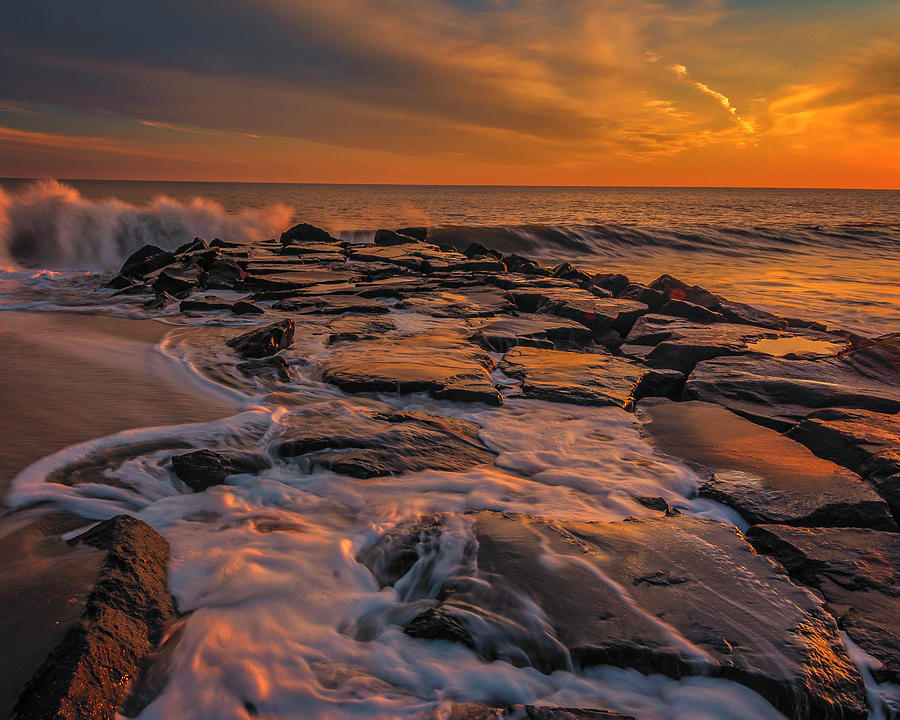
point(50, 225)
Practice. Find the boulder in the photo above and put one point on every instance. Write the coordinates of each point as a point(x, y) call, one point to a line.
point(673, 595)
point(192, 246)
point(89, 674)
point(765, 476)
point(857, 572)
point(305, 233)
point(615, 283)
point(653, 299)
point(264, 341)
point(145, 261)
point(202, 469)
point(476, 250)
point(243, 307)
point(176, 280)
point(224, 274)
point(675, 289)
point(567, 271)
point(440, 366)
point(519, 264)
point(389, 237)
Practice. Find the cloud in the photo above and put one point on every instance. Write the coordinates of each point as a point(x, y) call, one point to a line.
point(682, 72)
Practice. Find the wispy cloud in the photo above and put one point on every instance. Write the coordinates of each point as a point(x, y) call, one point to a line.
point(682, 72)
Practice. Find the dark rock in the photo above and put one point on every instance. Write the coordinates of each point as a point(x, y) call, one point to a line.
point(867, 443)
point(654, 503)
point(436, 624)
point(674, 595)
point(780, 393)
point(567, 271)
point(737, 312)
point(242, 307)
point(519, 264)
point(444, 368)
point(315, 249)
point(119, 282)
point(176, 281)
point(389, 237)
point(476, 250)
point(419, 233)
point(90, 672)
point(219, 243)
point(690, 311)
point(272, 368)
point(675, 289)
point(144, 261)
point(205, 304)
point(573, 377)
point(765, 476)
point(653, 299)
point(306, 233)
point(281, 285)
point(224, 274)
point(599, 314)
point(533, 330)
point(610, 339)
point(659, 383)
point(614, 282)
point(857, 572)
point(264, 341)
point(203, 469)
point(192, 246)
point(373, 445)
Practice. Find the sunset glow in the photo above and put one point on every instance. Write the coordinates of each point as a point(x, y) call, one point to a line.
point(687, 92)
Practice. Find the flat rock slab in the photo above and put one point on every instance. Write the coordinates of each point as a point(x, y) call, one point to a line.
point(675, 595)
point(780, 393)
point(332, 305)
point(680, 344)
point(764, 475)
point(443, 367)
point(858, 574)
point(599, 314)
point(543, 331)
point(390, 443)
point(90, 672)
point(866, 442)
point(578, 378)
point(296, 279)
point(462, 303)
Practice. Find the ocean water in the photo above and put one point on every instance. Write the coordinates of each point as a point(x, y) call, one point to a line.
point(264, 566)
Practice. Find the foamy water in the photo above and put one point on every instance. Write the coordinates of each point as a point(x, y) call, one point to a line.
point(281, 620)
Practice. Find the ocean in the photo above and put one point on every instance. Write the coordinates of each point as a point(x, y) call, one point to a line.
point(279, 618)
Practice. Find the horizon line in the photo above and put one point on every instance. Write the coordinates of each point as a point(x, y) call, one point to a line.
point(455, 185)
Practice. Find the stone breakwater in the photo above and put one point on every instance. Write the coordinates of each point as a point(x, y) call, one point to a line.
point(793, 426)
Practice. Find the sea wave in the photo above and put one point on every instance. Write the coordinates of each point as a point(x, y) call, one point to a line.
point(51, 225)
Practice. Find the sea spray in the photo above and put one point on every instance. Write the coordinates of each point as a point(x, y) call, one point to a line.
point(50, 225)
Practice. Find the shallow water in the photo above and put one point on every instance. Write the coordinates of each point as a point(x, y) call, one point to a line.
point(282, 621)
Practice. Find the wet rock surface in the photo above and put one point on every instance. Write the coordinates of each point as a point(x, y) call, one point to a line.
point(674, 595)
point(764, 475)
point(376, 444)
point(90, 672)
point(856, 571)
point(543, 331)
point(264, 341)
point(202, 469)
point(581, 378)
point(443, 368)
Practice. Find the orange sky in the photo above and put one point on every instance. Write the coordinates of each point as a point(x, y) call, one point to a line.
point(580, 92)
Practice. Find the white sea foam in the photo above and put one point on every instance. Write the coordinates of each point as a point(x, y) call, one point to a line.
point(50, 225)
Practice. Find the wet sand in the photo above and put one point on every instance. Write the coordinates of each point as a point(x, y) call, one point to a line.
point(68, 378)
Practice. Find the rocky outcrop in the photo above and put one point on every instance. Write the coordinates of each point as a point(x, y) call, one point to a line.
point(857, 572)
point(598, 314)
point(264, 341)
point(673, 595)
point(765, 476)
point(90, 672)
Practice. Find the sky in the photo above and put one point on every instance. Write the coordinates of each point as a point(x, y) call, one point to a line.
point(789, 93)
